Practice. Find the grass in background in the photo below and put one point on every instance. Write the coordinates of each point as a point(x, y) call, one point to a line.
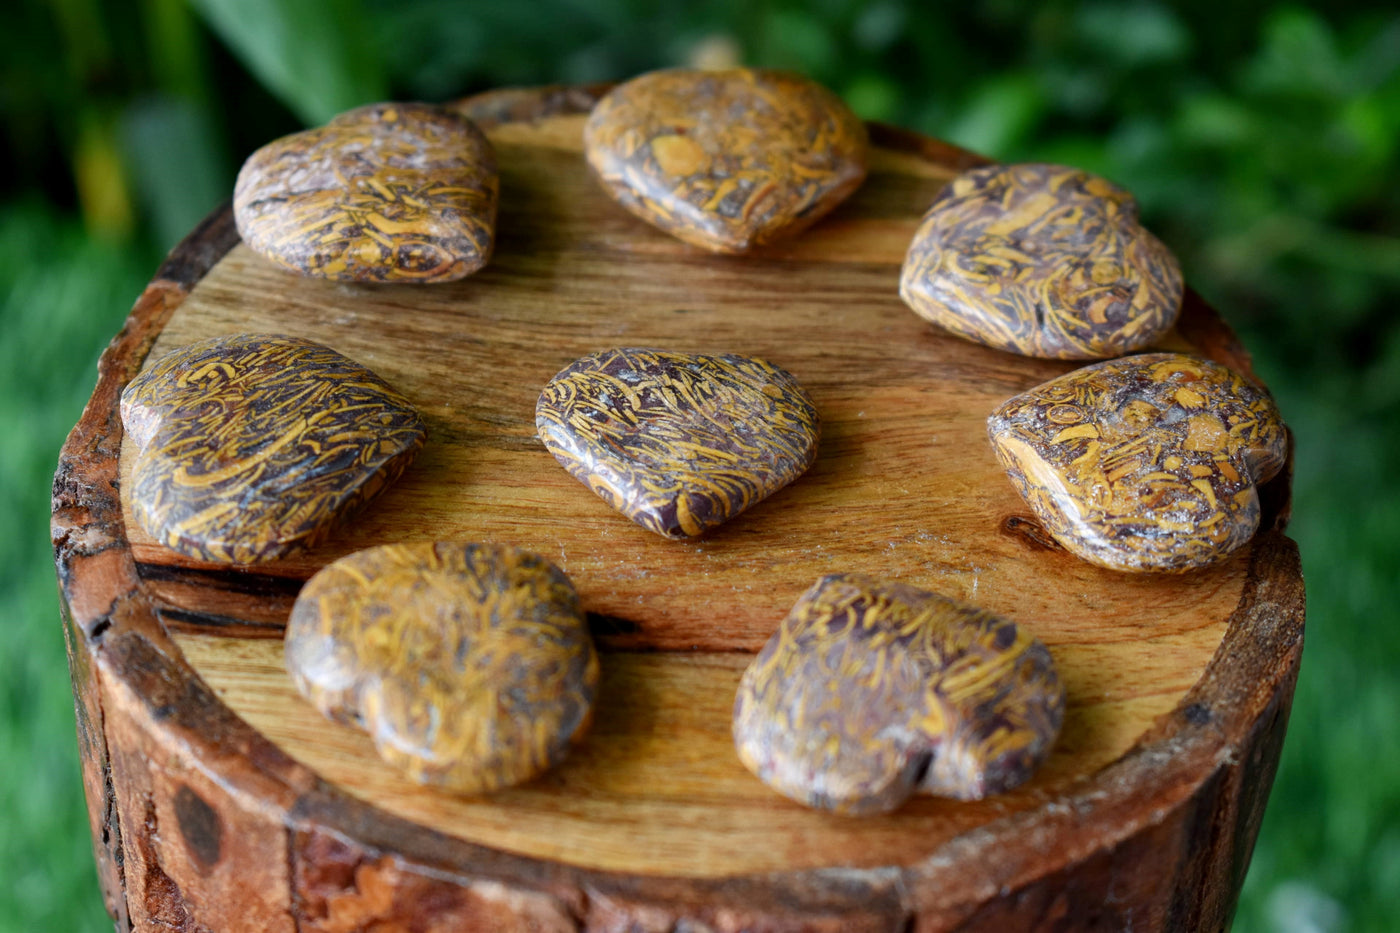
point(64, 294)
point(1328, 857)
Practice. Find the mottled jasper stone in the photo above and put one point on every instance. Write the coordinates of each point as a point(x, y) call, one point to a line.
point(384, 193)
point(470, 665)
point(726, 160)
point(1044, 261)
point(678, 442)
point(871, 691)
point(253, 447)
point(1147, 463)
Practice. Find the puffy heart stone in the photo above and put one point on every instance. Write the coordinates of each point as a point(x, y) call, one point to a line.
point(384, 193)
point(253, 447)
point(871, 691)
point(678, 442)
point(470, 665)
point(1147, 463)
point(726, 160)
point(1043, 261)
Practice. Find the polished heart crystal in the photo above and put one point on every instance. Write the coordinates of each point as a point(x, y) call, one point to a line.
point(1044, 261)
point(872, 691)
point(470, 665)
point(384, 193)
point(1148, 463)
point(678, 442)
point(726, 160)
point(252, 447)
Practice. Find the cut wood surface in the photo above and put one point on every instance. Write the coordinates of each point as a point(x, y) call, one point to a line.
point(1177, 686)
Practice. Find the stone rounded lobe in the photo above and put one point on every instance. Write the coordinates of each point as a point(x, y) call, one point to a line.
point(383, 193)
point(254, 447)
point(872, 691)
point(470, 665)
point(678, 442)
point(1148, 463)
point(1044, 261)
point(726, 160)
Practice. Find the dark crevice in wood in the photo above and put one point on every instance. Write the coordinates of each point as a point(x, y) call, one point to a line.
point(602, 625)
point(112, 842)
point(164, 903)
point(247, 582)
point(197, 621)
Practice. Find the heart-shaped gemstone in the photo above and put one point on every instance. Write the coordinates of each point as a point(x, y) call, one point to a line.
point(470, 665)
point(726, 160)
point(1147, 463)
point(678, 442)
point(1043, 261)
point(384, 193)
point(253, 447)
point(871, 691)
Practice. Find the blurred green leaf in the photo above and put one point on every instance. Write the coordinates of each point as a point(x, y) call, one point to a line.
point(873, 97)
point(1136, 34)
point(100, 176)
point(177, 53)
point(1299, 57)
point(879, 25)
point(315, 55)
point(180, 171)
point(798, 40)
point(999, 115)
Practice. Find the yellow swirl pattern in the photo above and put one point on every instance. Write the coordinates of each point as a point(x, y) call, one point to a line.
point(384, 193)
point(253, 447)
point(726, 160)
point(1147, 463)
point(678, 443)
point(871, 691)
point(471, 666)
point(1043, 261)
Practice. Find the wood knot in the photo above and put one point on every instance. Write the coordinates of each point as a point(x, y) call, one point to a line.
point(199, 827)
point(1198, 714)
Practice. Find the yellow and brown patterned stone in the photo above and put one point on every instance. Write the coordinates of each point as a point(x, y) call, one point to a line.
point(1043, 261)
point(384, 193)
point(253, 447)
point(1148, 463)
point(871, 691)
point(726, 160)
point(470, 665)
point(677, 442)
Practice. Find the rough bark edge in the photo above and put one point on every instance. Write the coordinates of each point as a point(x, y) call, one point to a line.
point(191, 763)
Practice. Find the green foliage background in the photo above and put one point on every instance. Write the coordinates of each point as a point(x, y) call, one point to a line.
point(1261, 139)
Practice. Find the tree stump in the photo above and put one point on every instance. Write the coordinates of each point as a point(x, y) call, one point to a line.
point(220, 800)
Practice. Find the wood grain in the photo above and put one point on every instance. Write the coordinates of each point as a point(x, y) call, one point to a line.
point(202, 764)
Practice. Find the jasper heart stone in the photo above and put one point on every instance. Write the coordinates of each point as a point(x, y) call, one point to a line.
point(253, 447)
point(872, 691)
point(1043, 261)
point(1148, 463)
point(726, 160)
point(678, 442)
point(384, 193)
point(470, 665)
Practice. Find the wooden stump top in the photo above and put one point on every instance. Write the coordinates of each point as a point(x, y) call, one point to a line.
point(1178, 686)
